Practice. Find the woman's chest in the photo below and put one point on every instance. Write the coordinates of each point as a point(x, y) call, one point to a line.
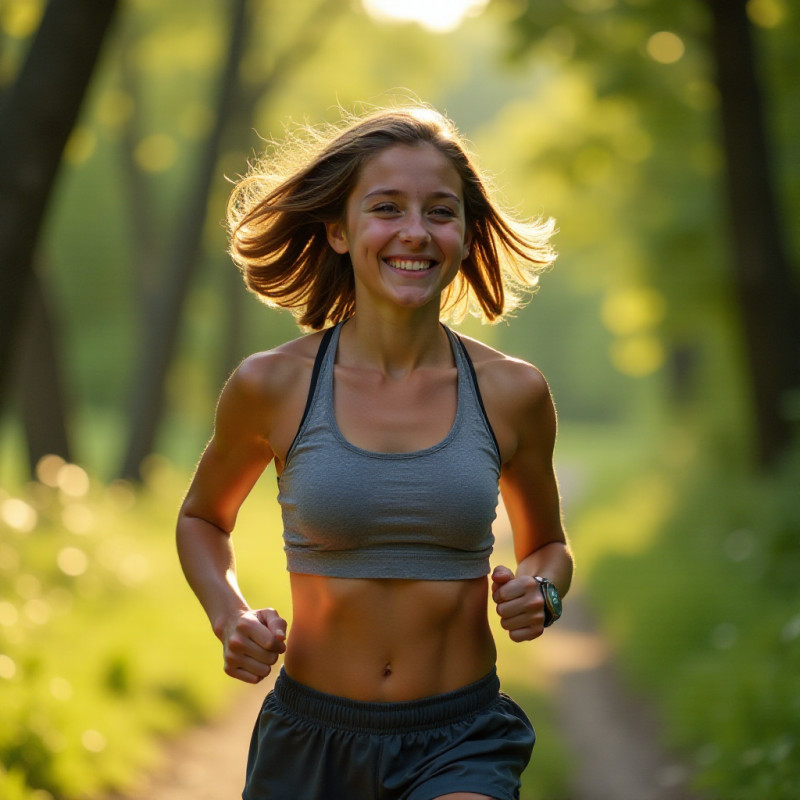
point(395, 415)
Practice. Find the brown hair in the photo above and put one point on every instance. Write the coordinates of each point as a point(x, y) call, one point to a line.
point(279, 240)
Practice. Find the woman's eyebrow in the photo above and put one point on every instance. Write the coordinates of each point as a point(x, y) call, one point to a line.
point(445, 195)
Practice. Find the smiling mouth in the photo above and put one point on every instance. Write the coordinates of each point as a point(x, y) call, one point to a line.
point(410, 265)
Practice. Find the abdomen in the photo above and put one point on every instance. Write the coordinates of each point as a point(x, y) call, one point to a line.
point(388, 640)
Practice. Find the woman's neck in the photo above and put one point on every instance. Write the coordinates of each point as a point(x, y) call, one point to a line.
point(395, 346)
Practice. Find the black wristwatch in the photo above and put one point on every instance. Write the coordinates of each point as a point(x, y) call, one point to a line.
point(552, 601)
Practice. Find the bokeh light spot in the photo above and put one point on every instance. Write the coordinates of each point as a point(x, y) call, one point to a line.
point(72, 561)
point(37, 611)
point(665, 47)
point(20, 19)
point(753, 756)
point(134, 568)
point(9, 616)
point(93, 741)
point(766, 13)
point(8, 667)
point(724, 636)
point(17, 514)
point(73, 480)
point(740, 545)
point(47, 470)
point(708, 754)
point(61, 689)
point(156, 153)
point(439, 16)
point(791, 630)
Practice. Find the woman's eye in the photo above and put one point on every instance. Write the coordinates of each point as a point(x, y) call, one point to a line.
point(443, 211)
point(385, 208)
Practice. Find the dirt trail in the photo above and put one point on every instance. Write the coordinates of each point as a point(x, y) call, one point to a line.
point(613, 735)
point(208, 762)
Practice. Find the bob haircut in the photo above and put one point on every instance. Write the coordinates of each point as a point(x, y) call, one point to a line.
point(276, 219)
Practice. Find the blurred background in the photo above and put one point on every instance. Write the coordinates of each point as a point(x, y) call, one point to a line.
point(663, 137)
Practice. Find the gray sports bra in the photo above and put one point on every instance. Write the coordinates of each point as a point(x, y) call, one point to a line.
point(355, 513)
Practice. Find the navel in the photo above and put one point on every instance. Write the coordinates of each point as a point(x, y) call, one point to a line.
point(387, 670)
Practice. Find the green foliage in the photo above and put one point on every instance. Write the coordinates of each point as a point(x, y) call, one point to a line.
point(620, 141)
point(705, 614)
point(103, 648)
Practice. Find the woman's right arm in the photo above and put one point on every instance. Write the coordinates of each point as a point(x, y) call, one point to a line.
point(233, 460)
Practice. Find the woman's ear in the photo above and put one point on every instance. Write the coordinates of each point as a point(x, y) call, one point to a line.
point(337, 237)
point(467, 244)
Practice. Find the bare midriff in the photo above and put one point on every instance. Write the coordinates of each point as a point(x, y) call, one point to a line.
point(388, 640)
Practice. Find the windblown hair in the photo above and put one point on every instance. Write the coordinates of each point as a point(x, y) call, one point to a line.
point(277, 216)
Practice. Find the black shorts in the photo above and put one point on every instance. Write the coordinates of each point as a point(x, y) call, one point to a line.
point(308, 745)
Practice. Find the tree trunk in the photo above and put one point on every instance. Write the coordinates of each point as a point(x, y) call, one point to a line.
point(144, 241)
point(37, 114)
point(160, 339)
point(233, 333)
point(766, 288)
point(42, 398)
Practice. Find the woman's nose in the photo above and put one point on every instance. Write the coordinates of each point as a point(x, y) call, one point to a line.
point(414, 230)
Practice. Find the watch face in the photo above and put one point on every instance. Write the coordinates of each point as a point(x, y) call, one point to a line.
point(555, 600)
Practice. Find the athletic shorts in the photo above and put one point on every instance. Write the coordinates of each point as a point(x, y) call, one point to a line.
point(308, 745)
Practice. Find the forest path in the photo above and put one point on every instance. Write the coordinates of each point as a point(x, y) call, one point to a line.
point(612, 734)
point(208, 762)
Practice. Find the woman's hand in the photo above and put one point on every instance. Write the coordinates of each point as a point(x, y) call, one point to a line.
point(252, 642)
point(519, 603)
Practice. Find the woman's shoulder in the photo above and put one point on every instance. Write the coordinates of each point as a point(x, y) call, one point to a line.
point(504, 374)
point(272, 374)
point(516, 397)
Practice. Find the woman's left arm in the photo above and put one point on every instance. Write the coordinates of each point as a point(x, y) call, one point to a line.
point(530, 493)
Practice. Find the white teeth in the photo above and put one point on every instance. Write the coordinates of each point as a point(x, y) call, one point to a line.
point(411, 266)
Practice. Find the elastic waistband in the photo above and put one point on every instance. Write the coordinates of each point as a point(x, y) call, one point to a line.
point(428, 712)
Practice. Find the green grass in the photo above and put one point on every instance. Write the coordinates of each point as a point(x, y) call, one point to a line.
point(103, 649)
point(705, 613)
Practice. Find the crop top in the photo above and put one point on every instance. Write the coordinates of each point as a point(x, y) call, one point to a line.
point(355, 513)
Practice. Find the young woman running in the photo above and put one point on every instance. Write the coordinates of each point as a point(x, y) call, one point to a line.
point(391, 436)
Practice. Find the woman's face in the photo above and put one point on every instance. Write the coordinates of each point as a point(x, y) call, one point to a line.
point(404, 227)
